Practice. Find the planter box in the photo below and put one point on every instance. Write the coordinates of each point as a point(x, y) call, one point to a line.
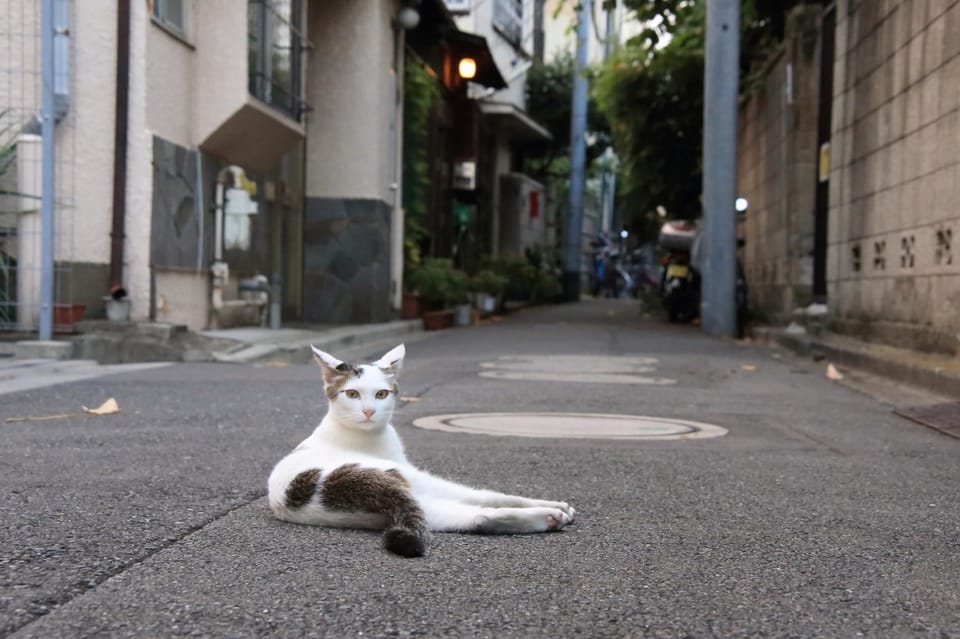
point(65, 316)
point(437, 320)
point(412, 308)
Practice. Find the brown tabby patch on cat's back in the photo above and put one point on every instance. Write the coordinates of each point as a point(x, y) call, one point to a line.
point(302, 488)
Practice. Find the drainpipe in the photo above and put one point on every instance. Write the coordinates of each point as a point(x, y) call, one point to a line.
point(117, 230)
point(219, 271)
point(397, 219)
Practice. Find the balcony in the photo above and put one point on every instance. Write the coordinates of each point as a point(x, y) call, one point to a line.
point(250, 77)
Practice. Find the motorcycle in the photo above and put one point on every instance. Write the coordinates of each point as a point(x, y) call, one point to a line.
point(679, 281)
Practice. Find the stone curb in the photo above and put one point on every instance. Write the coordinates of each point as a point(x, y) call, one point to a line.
point(897, 368)
point(298, 351)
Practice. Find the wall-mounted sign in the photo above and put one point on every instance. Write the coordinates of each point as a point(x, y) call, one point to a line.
point(823, 170)
point(465, 176)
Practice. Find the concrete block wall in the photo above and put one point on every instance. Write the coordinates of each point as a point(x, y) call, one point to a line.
point(777, 172)
point(895, 175)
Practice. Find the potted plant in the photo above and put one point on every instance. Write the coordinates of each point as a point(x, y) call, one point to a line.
point(432, 280)
point(487, 287)
point(459, 285)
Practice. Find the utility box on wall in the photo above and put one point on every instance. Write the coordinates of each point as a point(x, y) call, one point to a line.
point(522, 219)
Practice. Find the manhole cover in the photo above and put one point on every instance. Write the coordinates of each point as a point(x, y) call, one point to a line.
point(570, 426)
point(581, 369)
point(582, 378)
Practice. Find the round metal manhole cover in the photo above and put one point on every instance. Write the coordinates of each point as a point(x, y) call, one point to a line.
point(571, 426)
point(580, 369)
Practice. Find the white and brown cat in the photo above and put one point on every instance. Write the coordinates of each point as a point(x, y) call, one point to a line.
point(352, 472)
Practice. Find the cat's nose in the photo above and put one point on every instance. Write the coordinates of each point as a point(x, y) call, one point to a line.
point(369, 412)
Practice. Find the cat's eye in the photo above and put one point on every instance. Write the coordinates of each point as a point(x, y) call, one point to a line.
point(382, 394)
point(352, 394)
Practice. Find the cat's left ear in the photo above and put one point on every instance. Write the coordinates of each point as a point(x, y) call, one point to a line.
point(390, 363)
point(328, 363)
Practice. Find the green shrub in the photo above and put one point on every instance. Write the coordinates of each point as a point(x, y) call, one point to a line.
point(486, 281)
point(438, 283)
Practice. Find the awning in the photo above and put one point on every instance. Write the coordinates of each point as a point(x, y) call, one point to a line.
point(470, 45)
point(436, 40)
point(515, 122)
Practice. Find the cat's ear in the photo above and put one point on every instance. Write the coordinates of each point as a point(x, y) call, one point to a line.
point(390, 363)
point(328, 363)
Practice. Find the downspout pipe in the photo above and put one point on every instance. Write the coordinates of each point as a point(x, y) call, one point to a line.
point(118, 227)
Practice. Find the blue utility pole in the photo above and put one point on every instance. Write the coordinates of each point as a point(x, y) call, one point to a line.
point(718, 301)
point(48, 185)
point(573, 246)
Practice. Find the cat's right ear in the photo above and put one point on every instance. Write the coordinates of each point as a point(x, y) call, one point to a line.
point(390, 363)
point(328, 364)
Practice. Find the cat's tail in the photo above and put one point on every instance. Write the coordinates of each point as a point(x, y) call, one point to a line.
point(384, 492)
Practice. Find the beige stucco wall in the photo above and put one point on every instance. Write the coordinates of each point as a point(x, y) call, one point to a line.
point(221, 64)
point(182, 298)
point(350, 88)
point(895, 178)
point(171, 102)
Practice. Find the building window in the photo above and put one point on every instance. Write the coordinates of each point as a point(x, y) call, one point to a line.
point(170, 15)
point(274, 40)
point(508, 20)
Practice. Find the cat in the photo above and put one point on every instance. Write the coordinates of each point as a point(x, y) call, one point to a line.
point(352, 472)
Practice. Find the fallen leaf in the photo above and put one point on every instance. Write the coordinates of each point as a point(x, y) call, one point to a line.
point(408, 400)
point(107, 408)
point(833, 373)
point(749, 367)
point(274, 364)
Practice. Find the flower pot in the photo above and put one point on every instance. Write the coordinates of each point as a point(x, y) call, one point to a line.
point(411, 307)
point(117, 310)
point(65, 316)
point(461, 315)
point(486, 303)
point(437, 320)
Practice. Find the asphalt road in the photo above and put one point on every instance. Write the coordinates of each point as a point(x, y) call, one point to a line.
point(820, 513)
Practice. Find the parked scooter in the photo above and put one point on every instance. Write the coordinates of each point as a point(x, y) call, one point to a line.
point(680, 274)
point(679, 281)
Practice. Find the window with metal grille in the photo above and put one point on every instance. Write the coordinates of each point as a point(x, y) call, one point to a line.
point(274, 45)
point(170, 15)
point(508, 20)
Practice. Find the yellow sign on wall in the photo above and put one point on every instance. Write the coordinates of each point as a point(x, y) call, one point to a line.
point(823, 171)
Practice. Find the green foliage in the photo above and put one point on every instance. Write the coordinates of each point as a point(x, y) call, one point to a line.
point(518, 273)
point(549, 95)
point(438, 283)
point(546, 287)
point(527, 278)
point(655, 104)
point(652, 94)
point(486, 281)
point(420, 94)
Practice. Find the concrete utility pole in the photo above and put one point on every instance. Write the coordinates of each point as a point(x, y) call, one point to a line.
point(573, 249)
point(718, 300)
point(48, 191)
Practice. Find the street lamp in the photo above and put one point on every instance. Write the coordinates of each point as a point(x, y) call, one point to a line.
point(742, 205)
point(467, 68)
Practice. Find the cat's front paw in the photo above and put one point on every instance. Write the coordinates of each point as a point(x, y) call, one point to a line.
point(558, 519)
point(563, 506)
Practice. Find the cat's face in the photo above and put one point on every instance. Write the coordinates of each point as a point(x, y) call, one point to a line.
point(361, 397)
